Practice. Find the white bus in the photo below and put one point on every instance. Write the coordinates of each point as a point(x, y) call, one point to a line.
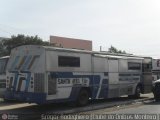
point(43, 75)
point(3, 64)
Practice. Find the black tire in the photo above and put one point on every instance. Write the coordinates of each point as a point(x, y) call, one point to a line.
point(83, 97)
point(137, 92)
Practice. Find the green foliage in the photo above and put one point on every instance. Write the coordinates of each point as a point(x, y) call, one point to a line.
point(6, 45)
point(115, 50)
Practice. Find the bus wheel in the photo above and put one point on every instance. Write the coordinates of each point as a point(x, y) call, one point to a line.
point(137, 92)
point(83, 97)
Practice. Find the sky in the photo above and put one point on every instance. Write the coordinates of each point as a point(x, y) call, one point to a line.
point(130, 25)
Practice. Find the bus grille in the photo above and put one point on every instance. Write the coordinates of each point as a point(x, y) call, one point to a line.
point(38, 82)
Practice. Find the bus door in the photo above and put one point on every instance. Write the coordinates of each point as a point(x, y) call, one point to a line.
point(113, 77)
point(147, 75)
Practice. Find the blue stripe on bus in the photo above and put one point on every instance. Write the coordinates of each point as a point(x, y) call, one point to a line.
point(15, 81)
point(94, 84)
point(25, 65)
point(104, 89)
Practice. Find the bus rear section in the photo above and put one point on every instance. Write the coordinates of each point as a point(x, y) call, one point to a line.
point(3, 64)
point(26, 74)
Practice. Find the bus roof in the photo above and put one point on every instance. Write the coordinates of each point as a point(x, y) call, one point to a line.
point(118, 57)
point(96, 52)
point(82, 51)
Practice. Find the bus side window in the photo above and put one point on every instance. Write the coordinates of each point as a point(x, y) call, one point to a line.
point(68, 61)
point(3, 64)
point(134, 66)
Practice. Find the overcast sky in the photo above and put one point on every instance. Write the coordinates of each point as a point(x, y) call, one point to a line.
point(130, 25)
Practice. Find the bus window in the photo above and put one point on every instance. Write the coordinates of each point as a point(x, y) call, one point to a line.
point(3, 64)
point(134, 66)
point(68, 61)
point(2, 83)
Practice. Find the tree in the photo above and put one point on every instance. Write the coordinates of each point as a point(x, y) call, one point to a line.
point(115, 50)
point(6, 45)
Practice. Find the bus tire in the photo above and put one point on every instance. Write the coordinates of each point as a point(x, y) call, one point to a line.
point(83, 97)
point(137, 92)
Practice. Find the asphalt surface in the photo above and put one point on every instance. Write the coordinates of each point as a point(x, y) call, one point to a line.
point(146, 108)
point(116, 105)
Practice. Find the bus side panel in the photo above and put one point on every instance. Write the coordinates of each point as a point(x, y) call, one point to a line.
point(128, 78)
point(61, 78)
point(113, 78)
point(100, 84)
point(52, 61)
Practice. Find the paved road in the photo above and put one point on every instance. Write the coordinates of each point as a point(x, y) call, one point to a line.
point(33, 109)
point(147, 108)
point(16, 107)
